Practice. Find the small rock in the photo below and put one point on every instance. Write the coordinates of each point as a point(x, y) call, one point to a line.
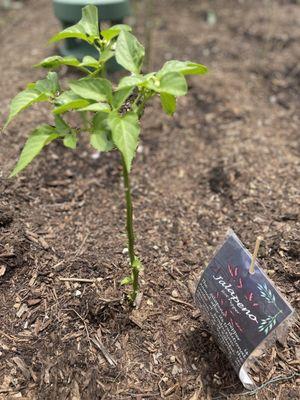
point(140, 149)
point(175, 293)
point(78, 293)
point(95, 156)
point(172, 359)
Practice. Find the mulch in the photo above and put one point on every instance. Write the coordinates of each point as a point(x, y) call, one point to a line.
point(229, 158)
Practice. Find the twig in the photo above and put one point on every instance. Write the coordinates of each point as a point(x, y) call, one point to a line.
point(181, 302)
point(86, 280)
point(103, 350)
point(254, 256)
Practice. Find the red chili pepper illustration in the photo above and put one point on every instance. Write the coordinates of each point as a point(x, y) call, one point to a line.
point(230, 270)
point(235, 271)
point(239, 328)
point(240, 285)
point(255, 305)
point(251, 296)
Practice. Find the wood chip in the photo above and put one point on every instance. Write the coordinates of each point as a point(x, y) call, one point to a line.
point(171, 389)
point(33, 302)
point(2, 270)
point(294, 362)
point(22, 366)
point(196, 395)
point(136, 321)
point(22, 310)
point(32, 279)
point(175, 317)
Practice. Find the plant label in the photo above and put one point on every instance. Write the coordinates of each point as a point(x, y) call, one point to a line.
point(242, 309)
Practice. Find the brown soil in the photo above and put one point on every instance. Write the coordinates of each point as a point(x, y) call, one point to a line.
point(229, 158)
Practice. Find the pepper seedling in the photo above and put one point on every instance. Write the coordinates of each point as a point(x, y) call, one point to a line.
point(112, 113)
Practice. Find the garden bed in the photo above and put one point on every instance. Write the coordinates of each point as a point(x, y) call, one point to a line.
point(229, 158)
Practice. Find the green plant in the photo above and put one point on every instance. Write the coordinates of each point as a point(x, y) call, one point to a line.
point(111, 114)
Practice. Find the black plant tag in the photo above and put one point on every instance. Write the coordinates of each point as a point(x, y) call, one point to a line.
point(242, 309)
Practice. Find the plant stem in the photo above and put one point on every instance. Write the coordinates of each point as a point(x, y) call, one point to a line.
point(130, 233)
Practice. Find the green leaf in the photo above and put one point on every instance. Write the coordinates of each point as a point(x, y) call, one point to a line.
point(75, 31)
point(173, 83)
point(100, 133)
point(86, 29)
point(137, 264)
point(97, 107)
point(70, 140)
point(106, 55)
point(50, 85)
point(125, 134)
point(69, 101)
point(97, 89)
point(168, 102)
point(35, 92)
point(120, 96)
point(61, 126)
point(22, 101)
point(39, 138)
point(128, 280)
point(65, 131)
point(131, 81)
point(89, 61)
point(57, 61)
point(72, 105)
point(114, 31)
point(90, 20)
point(129, 52)
point(183, 67)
